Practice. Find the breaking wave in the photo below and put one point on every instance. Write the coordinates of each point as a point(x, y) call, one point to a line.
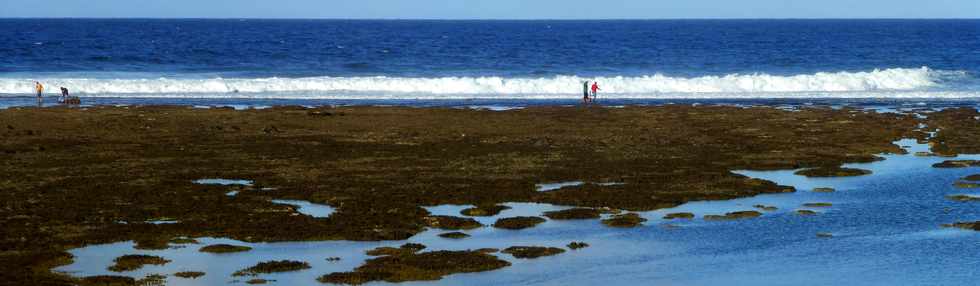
point(735, 85)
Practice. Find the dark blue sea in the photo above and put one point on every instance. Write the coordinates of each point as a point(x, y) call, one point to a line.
point(512, 62)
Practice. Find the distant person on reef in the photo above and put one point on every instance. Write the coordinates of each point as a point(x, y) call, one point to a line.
point(585, 92)
point(595, 90)
point(40, 91)
point(64, 94)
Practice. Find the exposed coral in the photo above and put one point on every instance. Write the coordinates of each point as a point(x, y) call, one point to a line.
point(417, 267)
point(520, 222)
point(530, 252)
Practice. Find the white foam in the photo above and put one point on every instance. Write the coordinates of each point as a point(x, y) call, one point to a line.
point(896, 82)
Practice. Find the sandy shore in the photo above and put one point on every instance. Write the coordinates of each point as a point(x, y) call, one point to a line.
point(74, 177)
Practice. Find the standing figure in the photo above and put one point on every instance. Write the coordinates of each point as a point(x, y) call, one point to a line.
point(64, 95)
point(595, 90)
point(40, 91)
point(585, 92)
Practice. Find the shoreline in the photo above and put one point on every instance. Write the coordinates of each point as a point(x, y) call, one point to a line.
point(76, 172)
point(885, 104)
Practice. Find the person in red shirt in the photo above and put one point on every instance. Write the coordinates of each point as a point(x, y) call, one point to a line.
point(595, 90)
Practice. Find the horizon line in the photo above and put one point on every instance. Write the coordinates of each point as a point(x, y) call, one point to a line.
point(471, 19)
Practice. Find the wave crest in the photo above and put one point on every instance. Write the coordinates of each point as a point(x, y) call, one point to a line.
point(896, 79)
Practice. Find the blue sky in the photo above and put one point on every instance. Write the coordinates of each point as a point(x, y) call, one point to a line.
point(493, 9)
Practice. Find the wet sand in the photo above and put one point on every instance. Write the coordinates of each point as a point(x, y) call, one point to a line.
point(75, 177)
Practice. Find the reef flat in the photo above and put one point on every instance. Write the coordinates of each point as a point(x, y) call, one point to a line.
point(72, 177)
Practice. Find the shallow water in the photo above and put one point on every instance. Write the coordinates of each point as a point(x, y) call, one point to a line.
point(162, 221)
point(308, 208)
point(223, 182)
point(885, 226)
point(219, 267)
point(547, 187)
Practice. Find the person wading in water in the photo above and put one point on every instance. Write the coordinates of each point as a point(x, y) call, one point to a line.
point(585, 92)
point(64, 95)
point(40, 91)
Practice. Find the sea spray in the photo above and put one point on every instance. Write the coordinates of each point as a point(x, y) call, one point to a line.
point(737, 85)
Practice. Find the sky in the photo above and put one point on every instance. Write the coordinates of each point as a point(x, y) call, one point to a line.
point(491, 9)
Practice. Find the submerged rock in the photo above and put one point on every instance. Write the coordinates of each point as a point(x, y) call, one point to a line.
point(824, 190)
point(426, 266)
point(576, 213)
point(714, 217)
point(679, 216)
point(183, 240)
point(189, 274)
point(963, 198)
point(488, 250)
point(734, 215)
point(577, 245)
point(624, 220)
point(766, 208)
point(153, 280)
point(825, 172)
point(257, 281)
point(530, 252)
point(520, 222)
point(484, 210)
point(135, 261)
point(965, 225)
point(451, 222)
point(407, 248)
point(274, 266)
point(957, 164)
point(972, 178)
point(806, 212)
point(224, 248)
point(454, 235)
point(413, 246)
point(608, 210)
point(967, 185)
point(743, 214)
point(152, 244)
point(818, 205)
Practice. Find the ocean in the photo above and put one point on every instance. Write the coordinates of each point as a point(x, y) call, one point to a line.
point(512, 62)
